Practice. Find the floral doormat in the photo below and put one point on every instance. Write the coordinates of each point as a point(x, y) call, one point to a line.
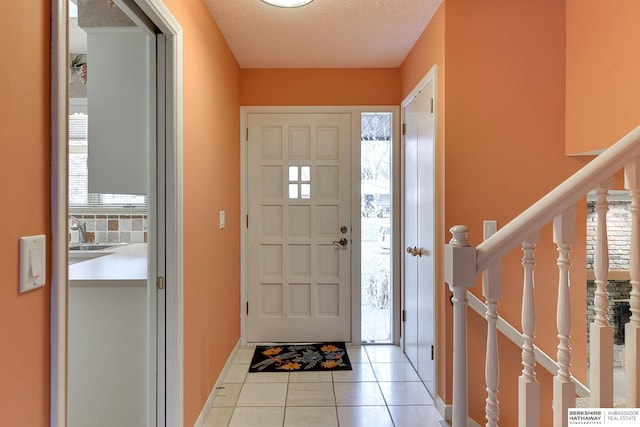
point(300, 357)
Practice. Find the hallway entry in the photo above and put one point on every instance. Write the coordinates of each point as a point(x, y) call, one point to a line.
point(298, 227)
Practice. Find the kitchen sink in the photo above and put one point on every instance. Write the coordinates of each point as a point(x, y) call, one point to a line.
point(79, 252)
point(92, 246)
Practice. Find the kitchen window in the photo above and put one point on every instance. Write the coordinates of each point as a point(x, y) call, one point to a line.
point(80, 200)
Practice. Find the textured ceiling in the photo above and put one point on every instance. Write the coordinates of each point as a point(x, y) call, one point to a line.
point(323, 34)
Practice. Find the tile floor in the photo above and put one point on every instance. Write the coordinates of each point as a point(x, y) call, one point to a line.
point(382, 390)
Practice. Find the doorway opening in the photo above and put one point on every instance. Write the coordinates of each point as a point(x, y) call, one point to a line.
point(376, 225)
point(80, 211)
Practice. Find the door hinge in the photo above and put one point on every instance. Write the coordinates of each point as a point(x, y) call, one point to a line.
point(432, 352)
point(160, 282)
point(247, 308)
point(246, 134)
point(404, 129)
point(404, 315)
point(247, 221)
point(431, 105)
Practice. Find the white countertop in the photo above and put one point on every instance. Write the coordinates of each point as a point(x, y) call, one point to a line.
point(126, 263)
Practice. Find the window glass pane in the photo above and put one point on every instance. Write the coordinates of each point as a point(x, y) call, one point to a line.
point(293, 173)
point(305, 172)
point(377, 289)
point(305, 191)
point(293, 191)
point(122, 199)
point(78, 190)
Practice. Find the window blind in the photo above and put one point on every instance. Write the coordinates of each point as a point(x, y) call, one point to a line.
point(79, 197)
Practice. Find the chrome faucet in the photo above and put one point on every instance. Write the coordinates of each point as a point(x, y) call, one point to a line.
point(81, 227)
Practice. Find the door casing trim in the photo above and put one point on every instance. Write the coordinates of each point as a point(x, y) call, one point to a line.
point(355, 112)
point(173, 125)
point(431, 75)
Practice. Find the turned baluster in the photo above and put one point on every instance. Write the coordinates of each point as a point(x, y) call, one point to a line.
point(601, 335)
point(564, 390)
point(528, 385)
point(632, 329)
point(492, 290)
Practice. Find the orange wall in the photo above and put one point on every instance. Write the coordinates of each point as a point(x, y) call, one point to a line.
point(345, 86)
point(24, 172)
point(603, 89)
point(505, 124)
point(429, 51)
point(211, 184)
point(503, 132)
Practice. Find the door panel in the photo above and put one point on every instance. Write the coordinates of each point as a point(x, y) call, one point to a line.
point(410, 271)
point(298, 199)
point(419, 233)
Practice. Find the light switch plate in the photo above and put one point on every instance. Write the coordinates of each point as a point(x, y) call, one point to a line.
point(222, 220)
point(490, 227)
point(33, 262)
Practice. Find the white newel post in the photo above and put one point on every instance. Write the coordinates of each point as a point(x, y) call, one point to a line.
point(459, 274)
point(492, 291)
point(564, 390)
point(632, 329)
point(601, 335)
point(528, 385)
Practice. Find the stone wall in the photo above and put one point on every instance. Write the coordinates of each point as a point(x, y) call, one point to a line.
point(618, 232)
point(619, 292)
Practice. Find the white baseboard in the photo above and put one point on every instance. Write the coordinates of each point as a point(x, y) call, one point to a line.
point(446, 411)
point(209, 403)
point(443, 409)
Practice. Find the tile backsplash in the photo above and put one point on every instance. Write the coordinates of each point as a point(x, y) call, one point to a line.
point(112, 228)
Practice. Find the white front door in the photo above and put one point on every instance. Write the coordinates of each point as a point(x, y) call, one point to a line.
point(419, 232)
point(299, 229)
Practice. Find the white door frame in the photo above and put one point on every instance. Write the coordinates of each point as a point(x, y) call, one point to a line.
point(430, 76)
point(172, 174)
point(355, 112)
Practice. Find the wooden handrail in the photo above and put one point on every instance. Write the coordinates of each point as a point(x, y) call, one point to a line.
point(558, 200)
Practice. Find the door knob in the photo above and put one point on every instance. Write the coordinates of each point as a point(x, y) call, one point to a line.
point(414, 251)
point(341, 242)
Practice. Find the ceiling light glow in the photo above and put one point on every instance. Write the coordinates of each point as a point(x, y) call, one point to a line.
point(287, 3)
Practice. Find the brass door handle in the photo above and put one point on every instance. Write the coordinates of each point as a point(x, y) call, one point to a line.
point(414, 251)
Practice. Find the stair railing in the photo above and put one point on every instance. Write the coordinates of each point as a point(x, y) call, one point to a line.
point(463, 263)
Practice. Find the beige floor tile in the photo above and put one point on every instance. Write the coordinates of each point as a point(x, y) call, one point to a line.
point(365, 416)
point(226, 395)
point(243, 355)
point(360, 372)
point(424, 416)
point(358, 394)
point(405, 393)
point(263, 394)
point(310, 377)
point(310, 417)
point(218, 417)
point(310, 394)
point(384, 393)
point(257, 417)
point(357, 354)
point(385, 354)
point(236, 373)
point(394, 372)
point(267, 377)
